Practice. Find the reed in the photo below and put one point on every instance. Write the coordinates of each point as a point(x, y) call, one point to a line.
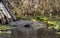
point(26, 8)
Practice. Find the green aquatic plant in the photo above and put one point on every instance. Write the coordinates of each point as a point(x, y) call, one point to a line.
point(17, 18)
point(57, 27)
point(52, 22)
point(41, 19)
point(5, 27)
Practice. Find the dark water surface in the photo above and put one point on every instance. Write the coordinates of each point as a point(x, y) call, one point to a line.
point(42, 33)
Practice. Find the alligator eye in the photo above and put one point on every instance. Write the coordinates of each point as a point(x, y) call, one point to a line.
point(27, 25)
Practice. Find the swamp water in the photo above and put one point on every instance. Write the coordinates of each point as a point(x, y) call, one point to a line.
point(41, 33)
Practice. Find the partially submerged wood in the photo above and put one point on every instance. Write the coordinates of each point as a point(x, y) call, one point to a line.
point(9, 11)
point(5, 15)
point(4, 11)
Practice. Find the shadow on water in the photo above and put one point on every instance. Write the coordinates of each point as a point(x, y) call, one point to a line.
point(41, 33)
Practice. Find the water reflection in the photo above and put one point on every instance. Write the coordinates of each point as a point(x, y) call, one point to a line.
point(41, 33)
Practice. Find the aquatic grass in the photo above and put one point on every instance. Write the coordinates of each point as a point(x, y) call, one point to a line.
point(5, 27)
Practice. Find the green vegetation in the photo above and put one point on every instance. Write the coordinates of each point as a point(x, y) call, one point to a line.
point(52, 24)
point(41, 8)
point(5, 27)
point(46, 11)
